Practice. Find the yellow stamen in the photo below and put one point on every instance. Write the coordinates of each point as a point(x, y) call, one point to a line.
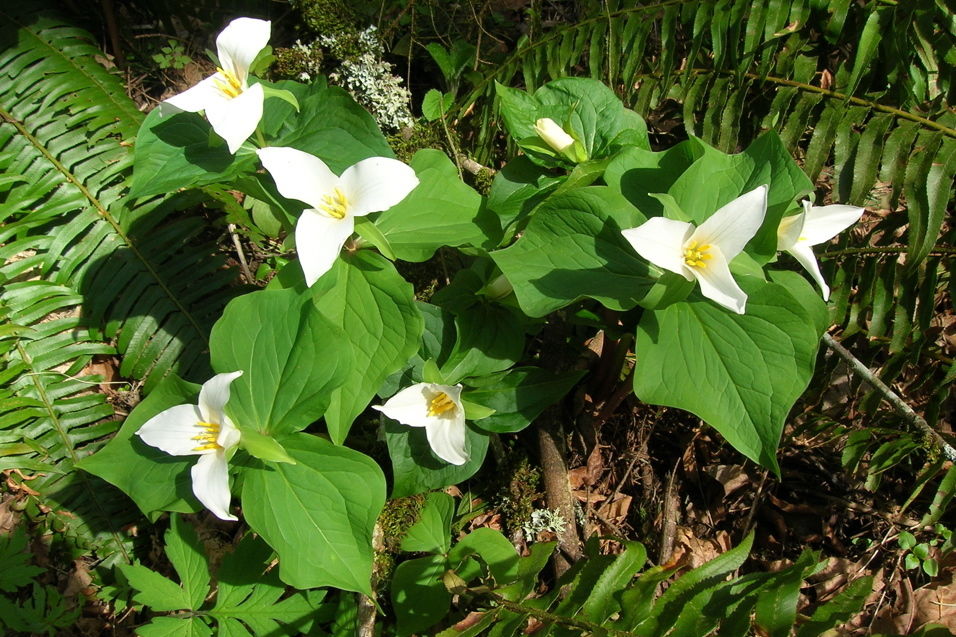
point(208, 436)
point(440, 404)
point(697, 256)
point(335, 204)
point(232, 87)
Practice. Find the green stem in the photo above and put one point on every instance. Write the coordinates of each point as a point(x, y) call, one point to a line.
point(938, 251)
point(545, 616)
point(260, 138)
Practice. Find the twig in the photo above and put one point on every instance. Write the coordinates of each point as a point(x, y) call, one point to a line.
point(240, 253)
point(366, 605)
point(669, 524)
point(748, 525)
point(891, 397)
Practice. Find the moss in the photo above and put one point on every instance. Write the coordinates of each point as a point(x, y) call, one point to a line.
point(483, 180)
point(327, 17)
point(291, 63)
point(518, 495)
point(409, 141)
point(397, 517)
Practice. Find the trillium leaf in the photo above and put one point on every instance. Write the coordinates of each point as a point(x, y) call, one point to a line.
point(740, 373)
point(292, 358)
point(432, 532)
point(518, 396)
point(155, 480)
point(441, 211)
point(317, 514)
point(573, 249)
point(419, 596)
point(417, 469)
point(382, 329)
point(490, 339)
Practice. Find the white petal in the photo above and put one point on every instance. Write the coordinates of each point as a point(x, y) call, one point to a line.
point(236, 119)
point(239, 44)
point(409, 406)
point(172, 430)
point(825, 222)
point(229, 435)
point(299, 175)
point(376, 184)
point(555, 136)
point(199, 97)
point(718, 285)
point(211, 484)
point(803, 253)
point(446, 437)
point(661, 241)
point(731, 227)
point(788, 232)
point(318, 240)
point(214, 395)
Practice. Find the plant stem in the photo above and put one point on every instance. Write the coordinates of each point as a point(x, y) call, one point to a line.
point(891, 397)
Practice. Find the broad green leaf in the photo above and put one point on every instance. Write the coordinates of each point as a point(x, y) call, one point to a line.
point(490, 339)
point(739, 373)
point(518, 396)
point(416, 469)
point(382, 327)
point(493, 548)
point(180, 150)
point(715, 179)
point(516, 189)
point(435, 104)
point(185, 551)
point(432, 532)
point(317, 514)
point(155, 480)
point(638, 173)
point(572, 249)
point(776, 608)
point(174, 627)
point(154, 590)
point(441, 211)
point(528, 569)
point(419, 596)
point(291, 356)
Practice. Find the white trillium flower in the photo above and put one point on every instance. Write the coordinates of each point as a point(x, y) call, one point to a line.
point(704, 253)
point(553, 135)
point(371, 185)
point(202, 430)
point(232, 107)
point(797, 234)
point(438, 409)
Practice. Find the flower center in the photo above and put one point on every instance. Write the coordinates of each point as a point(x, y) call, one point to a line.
point(335, 205)
point(232, 87)
point(697, 256)
point(207, 439)
point(440, 404)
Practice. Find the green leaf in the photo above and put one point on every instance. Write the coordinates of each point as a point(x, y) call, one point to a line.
point(370, 233)
point(493, 548)
point(519, 395)
point(603, 600)
point(572, 249)
point(741, 373)
point(282, 94)
point(474, 411)
point(185, 551)
point(174, 627)
point(841, 608)
point(291, 356)
point(436, 104)
point(637, 173)
point(416, 469)
point(15, 569)
point(264, 447)
point(432, 532)
point(776, 609)
point(317, 514)
point(382, 327)
point(154, 590)
point(155, 480)
point(441, 211)
point(419, 597)
point(490, 339)
point(180, 150)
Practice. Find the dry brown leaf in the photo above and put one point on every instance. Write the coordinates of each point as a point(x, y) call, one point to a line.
point(617, 509)
point(731, 476)
point(936, 603)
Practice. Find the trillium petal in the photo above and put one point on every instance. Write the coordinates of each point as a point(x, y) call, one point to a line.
point(229, 435)
point(214, 395)
point(236, 119)
point(788, 232)
point(803, 253)
point(239, 44)
point(318, 240)
point(553, 135)
point(733, 225)
point(211, 484)
point(376, 184)
point(718, 284)
point(199, 97)
point(446, 437)
point(409, 406)
point(661, 241)
point(299, 175)
point(825, 222)
point(172, 430)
